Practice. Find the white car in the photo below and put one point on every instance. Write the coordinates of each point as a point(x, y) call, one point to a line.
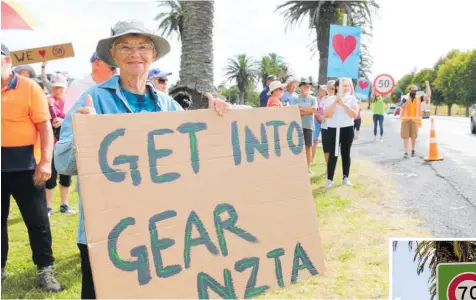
point(391, 110)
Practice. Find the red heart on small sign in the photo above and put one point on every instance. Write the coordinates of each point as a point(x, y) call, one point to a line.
point(344, 46)
point(42, 53)
point(363, 84)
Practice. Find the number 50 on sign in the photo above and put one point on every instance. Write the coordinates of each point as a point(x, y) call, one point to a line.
point(384, 84)
point(456, 281)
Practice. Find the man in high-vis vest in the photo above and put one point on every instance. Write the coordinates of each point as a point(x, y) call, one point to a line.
point(411, 116)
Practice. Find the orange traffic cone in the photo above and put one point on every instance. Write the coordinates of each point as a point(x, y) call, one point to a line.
point(433, 148)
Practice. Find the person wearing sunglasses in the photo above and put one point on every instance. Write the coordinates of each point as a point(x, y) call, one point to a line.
point(275, 93)
point(159, 79)
point(411, 116)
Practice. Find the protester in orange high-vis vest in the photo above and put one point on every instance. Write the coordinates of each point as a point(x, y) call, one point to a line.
point(25, 122)
point(411, 116)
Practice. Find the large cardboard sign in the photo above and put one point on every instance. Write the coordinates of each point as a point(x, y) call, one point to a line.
point(193, 205)
point(36, 55)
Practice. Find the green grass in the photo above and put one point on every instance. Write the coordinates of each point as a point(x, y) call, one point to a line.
point(355, 224)
point(21, 281)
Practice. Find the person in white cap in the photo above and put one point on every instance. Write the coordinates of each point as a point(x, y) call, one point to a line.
point(290, 91)
point(159, 79)
point(275, 93)
point(132, 48)
point(56, 101)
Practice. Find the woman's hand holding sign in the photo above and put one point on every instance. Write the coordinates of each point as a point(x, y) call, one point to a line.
point(88, 109)
point(219, 106)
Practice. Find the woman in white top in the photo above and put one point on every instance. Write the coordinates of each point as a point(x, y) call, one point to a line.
point(340, 113)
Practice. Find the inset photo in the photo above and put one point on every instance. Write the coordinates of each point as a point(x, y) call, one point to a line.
point(432, 269)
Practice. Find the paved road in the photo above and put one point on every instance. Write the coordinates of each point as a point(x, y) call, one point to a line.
point(442, 193)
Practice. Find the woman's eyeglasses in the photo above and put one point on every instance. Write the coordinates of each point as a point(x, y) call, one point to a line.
point(128, 49)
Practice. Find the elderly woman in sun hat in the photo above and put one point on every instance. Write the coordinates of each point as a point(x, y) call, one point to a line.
point(132, 48)
point(275, 93)
point(25, 71)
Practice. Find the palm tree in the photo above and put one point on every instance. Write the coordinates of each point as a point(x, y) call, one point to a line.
point(192, 21)
point(324, 13)
point(273, 64)
point(171, 22)
point(243, 70)
point(431, 253)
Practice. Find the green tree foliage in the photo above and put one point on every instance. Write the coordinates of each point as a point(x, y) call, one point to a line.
point(243, 70)
point(171, 21)
point(450, 80)
point(273, 64)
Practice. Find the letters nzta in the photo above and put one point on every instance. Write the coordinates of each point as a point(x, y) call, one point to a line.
point(250, 140)
point(205, 282)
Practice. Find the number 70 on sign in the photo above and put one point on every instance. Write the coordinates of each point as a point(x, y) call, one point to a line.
point(456, 281)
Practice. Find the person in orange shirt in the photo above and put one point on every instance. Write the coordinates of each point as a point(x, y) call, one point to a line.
point(25, 118)
point(411, 116)
point(275, 93)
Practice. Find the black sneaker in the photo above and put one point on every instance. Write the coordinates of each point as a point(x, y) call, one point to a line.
point(47, 280)
point(50, 211)
point(66, 209)
point(405, 155)
point(4, 274)
point(413, 153)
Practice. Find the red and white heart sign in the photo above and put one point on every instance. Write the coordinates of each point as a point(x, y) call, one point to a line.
point(344, 46)
point(363, 84)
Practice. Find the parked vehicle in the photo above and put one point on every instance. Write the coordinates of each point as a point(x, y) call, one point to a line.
point(391, 109)
point(397, 111)
point(472, 118)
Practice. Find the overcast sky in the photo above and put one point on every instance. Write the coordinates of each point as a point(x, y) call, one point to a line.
point(407, 33)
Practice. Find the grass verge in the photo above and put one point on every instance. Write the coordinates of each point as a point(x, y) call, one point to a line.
point(355, 225)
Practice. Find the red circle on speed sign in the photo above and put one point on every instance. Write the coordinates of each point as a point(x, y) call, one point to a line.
point(456, 288)
point(384, 84)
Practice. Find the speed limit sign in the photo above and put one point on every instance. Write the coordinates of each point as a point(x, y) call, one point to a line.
point(384, 84)
point(457, 281)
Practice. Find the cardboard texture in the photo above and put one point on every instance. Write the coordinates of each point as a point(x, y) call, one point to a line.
point(257, 218)
point(37, 55)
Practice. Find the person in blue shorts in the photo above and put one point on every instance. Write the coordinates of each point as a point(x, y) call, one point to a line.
point(318, 118)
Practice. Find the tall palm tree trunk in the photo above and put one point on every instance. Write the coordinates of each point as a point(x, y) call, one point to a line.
point(242, 97)
point(328, 17)
point(196, 65)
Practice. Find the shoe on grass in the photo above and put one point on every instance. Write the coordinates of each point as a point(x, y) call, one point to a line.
point(47, 280)
point(347, 182)
point(50, 211)
point(66, 209)
point(4, 274)
point(329, 184)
